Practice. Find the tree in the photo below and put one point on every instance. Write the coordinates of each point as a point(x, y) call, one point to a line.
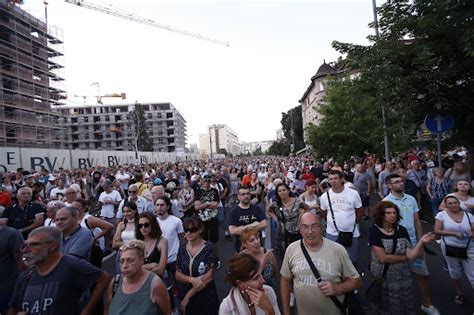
point(258, 151)
point(281, 147)
point(223, 151)
point(423, 62)
point(140, 130)
point(292, 125)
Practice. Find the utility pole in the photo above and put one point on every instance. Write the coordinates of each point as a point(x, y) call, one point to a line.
point(384, 120)
point(210, 142)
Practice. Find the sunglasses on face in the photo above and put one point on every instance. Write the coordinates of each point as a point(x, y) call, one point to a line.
point(132, 191)
point(191, 230)
point(143, 225)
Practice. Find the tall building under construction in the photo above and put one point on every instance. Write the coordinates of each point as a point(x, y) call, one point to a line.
point(110, 127)
point(31, 68)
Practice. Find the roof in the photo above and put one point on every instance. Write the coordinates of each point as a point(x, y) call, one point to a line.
point(324, 70)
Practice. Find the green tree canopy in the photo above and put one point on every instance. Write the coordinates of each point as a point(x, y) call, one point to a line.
point(423, 62)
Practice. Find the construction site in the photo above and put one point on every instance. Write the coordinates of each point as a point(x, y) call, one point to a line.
point(35, 110)
point(31, 76)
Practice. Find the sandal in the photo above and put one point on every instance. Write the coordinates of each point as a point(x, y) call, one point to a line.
point(459, 299)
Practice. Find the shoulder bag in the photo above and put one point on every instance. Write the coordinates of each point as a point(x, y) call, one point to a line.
point(373, 293)
point(458, 252)
point(343, 238)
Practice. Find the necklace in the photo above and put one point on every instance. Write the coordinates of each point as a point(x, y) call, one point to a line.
point(389, 231)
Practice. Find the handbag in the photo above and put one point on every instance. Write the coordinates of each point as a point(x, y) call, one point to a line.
point(458, 252)
point(373, 293)
point(343, 238)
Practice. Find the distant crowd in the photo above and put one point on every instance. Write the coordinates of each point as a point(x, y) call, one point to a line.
point(161, 223)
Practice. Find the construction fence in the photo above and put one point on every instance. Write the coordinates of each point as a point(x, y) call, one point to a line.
point(33, 159)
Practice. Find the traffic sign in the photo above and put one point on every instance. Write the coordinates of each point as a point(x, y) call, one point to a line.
point(439, 123)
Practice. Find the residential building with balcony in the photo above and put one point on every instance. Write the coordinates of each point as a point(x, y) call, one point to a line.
point(109, 126)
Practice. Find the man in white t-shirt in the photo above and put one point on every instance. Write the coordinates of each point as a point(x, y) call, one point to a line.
point(124, 178)
point(59, 192)
point(108, 200)
point(172, 229)
point(346, 212)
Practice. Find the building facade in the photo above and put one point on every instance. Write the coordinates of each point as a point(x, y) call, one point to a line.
point(219, 137)
point(109, 127)
point(313, 97)
point(31, 77)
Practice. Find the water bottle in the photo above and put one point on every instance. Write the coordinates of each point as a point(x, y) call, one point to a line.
point(201, 268)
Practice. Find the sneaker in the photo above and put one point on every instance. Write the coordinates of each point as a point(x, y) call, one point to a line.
point(218, 265)
point(431, 310)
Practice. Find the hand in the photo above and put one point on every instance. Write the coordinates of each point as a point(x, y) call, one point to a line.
point(328, 288)
point(184, 304)
point(197, 283)
point(259, 298)
point(428, 237)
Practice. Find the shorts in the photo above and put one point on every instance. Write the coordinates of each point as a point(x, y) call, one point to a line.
point(211, 230)
point(418, 266)
point(456, 266)
point(365, 200)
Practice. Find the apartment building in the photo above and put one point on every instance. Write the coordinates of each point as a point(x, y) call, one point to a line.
point(31, 80)
point(109, 127)
point(219, 137)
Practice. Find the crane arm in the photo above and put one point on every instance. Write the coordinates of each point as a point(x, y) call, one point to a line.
point(134, 18)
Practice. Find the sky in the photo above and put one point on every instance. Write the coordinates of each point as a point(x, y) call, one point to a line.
point(275, 49)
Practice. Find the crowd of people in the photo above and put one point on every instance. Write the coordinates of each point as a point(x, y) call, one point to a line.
point(162, 223)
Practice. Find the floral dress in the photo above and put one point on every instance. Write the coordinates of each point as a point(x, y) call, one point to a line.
point(288, 231)
point(204, 301)
point(397, 293)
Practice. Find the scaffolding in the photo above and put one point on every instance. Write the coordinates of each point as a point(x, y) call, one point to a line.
point(32, 80)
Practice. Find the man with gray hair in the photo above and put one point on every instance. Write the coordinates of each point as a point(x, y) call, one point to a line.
point(76, 240)
point(56, 282)
point(338, 276)
point(24, 215)
point(133, 196)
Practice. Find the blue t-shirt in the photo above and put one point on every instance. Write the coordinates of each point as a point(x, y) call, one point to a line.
point(79, 244)
point(59, 291)
point(408, 207)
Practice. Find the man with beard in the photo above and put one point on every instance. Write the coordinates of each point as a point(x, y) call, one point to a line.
point(245, 215)
point(55, 282)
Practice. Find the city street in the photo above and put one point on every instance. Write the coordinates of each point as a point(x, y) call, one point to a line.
point(442, 289)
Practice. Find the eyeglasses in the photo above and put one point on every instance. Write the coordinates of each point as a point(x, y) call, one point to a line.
point(35, 244)
point(143, 225)
point(191, 230)
point(132, 191)
point(311, 227)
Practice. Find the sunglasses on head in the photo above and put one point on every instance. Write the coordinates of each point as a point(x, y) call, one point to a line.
point(143, 225)
point(191, 230)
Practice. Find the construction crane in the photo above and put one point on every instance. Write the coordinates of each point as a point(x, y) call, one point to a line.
point(99, 95)
point(134, 18)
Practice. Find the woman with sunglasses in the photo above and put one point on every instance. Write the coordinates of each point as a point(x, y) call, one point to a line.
point(195, 271)
point(455, 226)
point(249, 294)
point(156, 246)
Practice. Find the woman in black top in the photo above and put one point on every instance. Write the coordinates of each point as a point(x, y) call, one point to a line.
point(156, 246)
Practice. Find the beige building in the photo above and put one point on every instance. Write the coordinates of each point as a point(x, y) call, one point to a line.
point(313, 97)
point(218, 137)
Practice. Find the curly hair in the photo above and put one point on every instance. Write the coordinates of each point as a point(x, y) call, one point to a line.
point(379, 212)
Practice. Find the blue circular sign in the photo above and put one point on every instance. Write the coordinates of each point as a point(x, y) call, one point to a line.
point(439, 123)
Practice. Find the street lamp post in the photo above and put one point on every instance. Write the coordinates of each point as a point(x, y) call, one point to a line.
point(384, 120)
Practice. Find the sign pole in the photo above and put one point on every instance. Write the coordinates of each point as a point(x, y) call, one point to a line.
point(438, 138)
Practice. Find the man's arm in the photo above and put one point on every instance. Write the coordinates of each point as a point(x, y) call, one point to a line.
point(236, 230)
point(330, 288)
point(285, 289)
point(359, 213)
point(369, 187)
point(39, 221)
point(97, 293)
